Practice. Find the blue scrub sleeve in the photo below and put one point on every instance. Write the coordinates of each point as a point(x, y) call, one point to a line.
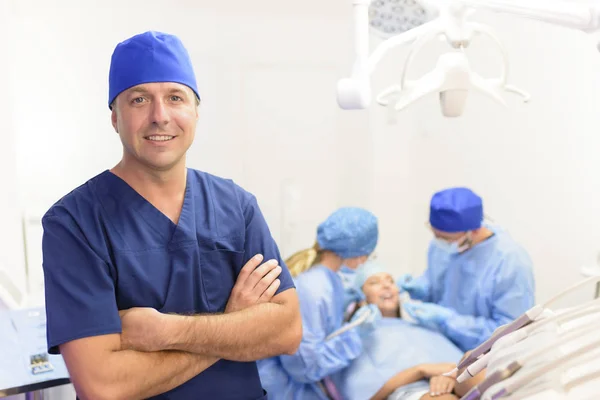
point(260, 241)
point(513, 294)
point(79, 289)
point(317, 358)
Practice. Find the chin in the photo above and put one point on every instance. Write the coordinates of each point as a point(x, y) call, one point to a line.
point(162, 164)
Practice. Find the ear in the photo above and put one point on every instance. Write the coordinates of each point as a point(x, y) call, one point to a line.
point(113, 119)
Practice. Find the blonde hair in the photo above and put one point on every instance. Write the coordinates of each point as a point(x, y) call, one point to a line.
point(303, 260)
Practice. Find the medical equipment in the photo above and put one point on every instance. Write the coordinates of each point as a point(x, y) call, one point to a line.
point(508, 370)
point(452, 78)
point(501, 390)
point(527, 318)
point(565, 385)
point(388, 18)
point(519, 335)
point(350, 325)
point(25, 365)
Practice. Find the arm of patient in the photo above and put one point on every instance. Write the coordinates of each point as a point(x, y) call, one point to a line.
point(405, 377)
point(411, 375)
point(462, 388)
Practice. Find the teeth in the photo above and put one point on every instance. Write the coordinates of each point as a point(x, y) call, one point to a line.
point(161, 138)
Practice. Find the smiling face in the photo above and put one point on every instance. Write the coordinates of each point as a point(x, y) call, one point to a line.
point(380, 289)
point(156, 123)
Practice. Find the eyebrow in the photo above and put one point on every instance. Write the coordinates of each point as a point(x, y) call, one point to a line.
point(143, 90)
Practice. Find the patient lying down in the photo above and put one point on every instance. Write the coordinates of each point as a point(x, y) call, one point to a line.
point(400, 360)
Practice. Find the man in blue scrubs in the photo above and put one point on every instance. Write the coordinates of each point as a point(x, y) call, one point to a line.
point(477, 279)
point(162, 281)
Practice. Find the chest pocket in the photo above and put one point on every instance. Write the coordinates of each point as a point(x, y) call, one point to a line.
point(219, 270)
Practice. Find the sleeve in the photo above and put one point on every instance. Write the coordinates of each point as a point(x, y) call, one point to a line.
point(512, 289)
point(317, 358)
point(260, 241)
point(79, 289)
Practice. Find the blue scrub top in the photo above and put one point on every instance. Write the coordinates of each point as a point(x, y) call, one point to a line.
point(297, 377)
point(106, 248)
point(488, 286)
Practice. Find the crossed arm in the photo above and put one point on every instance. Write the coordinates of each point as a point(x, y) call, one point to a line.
point(157, 352)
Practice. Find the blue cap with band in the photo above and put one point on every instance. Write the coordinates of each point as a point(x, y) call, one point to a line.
point(149, 57)
point(456, 210)
point(349, 232)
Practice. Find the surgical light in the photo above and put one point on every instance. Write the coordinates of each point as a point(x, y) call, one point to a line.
point(391, 17)
point(401, 23)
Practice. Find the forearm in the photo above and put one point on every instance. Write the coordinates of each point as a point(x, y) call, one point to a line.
point(462, 388)
point(130, 374)
point(403, 378)
point(261, 331)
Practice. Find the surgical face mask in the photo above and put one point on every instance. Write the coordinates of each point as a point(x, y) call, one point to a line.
point(347, 274)
point(347, 270)
point(456, 247)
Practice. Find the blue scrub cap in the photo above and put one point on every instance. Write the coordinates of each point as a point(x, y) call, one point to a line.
point(456, 210)
point(149, 57)
point(349, 232)
point(365, 271)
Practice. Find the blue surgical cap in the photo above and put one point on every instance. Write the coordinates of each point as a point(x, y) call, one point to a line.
point(366, 271)
point(456, 210)
point(149, 57)
point(349, 232)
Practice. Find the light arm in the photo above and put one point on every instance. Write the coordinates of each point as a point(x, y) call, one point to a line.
point(584, 17)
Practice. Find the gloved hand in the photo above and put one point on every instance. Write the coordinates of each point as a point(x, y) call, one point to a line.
point(402, 280)
point(370, 323)
point(352, 295)
point(429, 315)
point(416, 289)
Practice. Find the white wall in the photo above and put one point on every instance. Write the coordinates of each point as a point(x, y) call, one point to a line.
point(535, 165)
point(267, 74)
point(11, 236)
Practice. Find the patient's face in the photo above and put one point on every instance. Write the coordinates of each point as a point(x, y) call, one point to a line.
point(380, 289)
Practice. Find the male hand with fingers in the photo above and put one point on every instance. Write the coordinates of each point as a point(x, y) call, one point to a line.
point(255, 284)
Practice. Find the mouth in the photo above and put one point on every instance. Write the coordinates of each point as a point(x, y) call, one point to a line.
point(386, 296)
point(160, 138)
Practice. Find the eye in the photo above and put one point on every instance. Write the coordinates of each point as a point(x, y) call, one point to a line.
point(176, 98)
point(138, 100)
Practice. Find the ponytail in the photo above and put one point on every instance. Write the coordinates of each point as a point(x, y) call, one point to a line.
point(303, 260)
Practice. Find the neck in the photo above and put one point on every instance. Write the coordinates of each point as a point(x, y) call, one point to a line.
point(390, 313)
point(331, 261)
point(152, 182)
point(481, 234)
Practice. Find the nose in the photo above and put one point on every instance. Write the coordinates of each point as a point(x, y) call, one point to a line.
point(160, 113)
